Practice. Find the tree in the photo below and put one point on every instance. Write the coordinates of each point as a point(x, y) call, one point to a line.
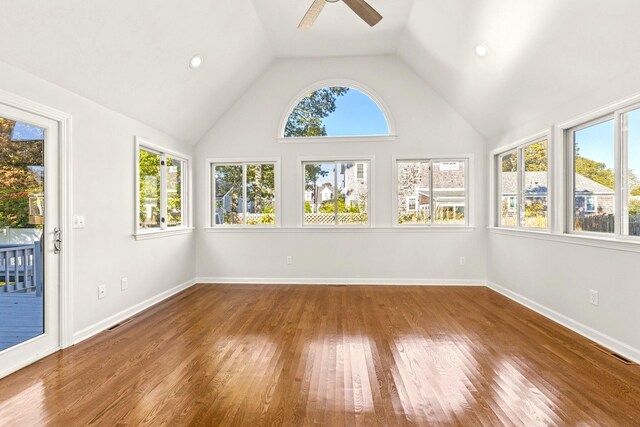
point(20, 161)
point(312, 174)
point(306, 118)
point(595, 171)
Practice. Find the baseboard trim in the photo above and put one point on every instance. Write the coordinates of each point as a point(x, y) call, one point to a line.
point(102, 325)
point(584, 330)
point(337, 281)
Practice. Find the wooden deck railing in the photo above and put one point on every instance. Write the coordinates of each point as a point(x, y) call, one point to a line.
point(20, 269)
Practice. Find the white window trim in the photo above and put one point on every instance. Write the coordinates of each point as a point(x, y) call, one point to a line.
point(185, 228)
point(243, 161)
point(519, 148)
point(341, 139)
point(331, 159)
point(569, 149)
point(469, 193)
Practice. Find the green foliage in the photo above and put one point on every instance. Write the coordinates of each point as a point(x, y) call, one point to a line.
point(307, 207)
point(536, 157)
point(306, 118)
point(149, 167)
point(634, 207)
point(635, 191)
point(595, 171)
point(17, 179)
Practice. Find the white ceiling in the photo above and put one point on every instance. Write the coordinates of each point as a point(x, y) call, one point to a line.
point(132, 56)
point(337, 32)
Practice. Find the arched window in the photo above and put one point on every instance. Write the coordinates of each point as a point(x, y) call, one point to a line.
point(338, 111)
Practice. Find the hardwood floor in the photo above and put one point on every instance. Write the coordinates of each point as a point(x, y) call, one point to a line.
point(326, 355)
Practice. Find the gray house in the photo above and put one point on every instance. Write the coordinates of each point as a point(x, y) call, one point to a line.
point(591, 197)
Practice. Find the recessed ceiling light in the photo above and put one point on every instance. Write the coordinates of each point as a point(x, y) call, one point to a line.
point(481, 50)
point(196, 61)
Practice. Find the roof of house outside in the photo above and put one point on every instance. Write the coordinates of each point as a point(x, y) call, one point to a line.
point(536, 183)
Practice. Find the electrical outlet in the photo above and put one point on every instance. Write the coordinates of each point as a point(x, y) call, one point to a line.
point(102, 291)
point(594, 297)
point(289, 260)
point(463, 260)
point(124, 284)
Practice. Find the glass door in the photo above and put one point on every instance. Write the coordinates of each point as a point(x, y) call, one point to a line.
point(29, 221)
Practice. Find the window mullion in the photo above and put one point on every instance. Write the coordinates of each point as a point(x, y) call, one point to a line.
point(244, 194)
point(520, 186)
point(163, 191)
point(431, 201)
point(620, 173)
point(335, 192)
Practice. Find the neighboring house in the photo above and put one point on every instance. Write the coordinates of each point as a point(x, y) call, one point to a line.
point(591, 197)
point(414, 195)
point(356, 187)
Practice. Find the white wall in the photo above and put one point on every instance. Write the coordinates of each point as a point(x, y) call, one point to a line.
point(426, 126)
point(558, 275)
point(103, 191)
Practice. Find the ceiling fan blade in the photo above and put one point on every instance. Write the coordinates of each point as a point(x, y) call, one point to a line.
point(364, 11)
point(311, 15)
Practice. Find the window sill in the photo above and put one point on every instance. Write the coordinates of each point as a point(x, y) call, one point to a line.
point(311, 139)
point(157, 234)
point(626, 245)
point(345, 229)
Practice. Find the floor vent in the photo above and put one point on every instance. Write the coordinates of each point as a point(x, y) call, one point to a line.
point(117, 325)
point(615, 355)
point(337, 286)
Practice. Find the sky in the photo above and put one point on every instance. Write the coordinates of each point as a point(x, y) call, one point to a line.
point(597, 142)
point(356, 114)
point(26, 132)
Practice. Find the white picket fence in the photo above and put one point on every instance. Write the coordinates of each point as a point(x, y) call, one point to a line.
point(329, 218)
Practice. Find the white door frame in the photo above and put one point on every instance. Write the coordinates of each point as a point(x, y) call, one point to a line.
point(64, 145)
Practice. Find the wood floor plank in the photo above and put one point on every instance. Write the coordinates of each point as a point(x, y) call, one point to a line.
point(322, 355)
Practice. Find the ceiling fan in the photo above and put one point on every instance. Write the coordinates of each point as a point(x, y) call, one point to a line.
point(360, 7)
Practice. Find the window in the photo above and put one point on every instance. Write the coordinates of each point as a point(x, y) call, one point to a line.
point(360, 171)
point(431, 192)
point(630, 122)
point(162, 189)
point(336, 193)
point(523, 193)
point(593, 176)
point(244, 194)
point(335, 111)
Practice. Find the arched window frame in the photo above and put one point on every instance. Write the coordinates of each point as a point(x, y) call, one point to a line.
point(337, 83)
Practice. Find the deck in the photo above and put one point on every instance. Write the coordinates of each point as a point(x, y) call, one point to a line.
point(21, 318)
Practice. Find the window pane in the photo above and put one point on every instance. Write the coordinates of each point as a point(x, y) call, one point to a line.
point(174, 192)
point(535, 193)
point(319, 194)
point(414, 204)
point(149, 190)
point(261, 194)
point(228, 194)
point(594, 178)
point(449, 192)
point(631, 135)
point(509, 189)
point(353, 193)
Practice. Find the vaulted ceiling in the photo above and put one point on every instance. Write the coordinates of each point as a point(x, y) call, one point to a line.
point(132, 56)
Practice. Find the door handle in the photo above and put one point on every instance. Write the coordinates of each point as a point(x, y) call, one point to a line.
point(57, 240)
